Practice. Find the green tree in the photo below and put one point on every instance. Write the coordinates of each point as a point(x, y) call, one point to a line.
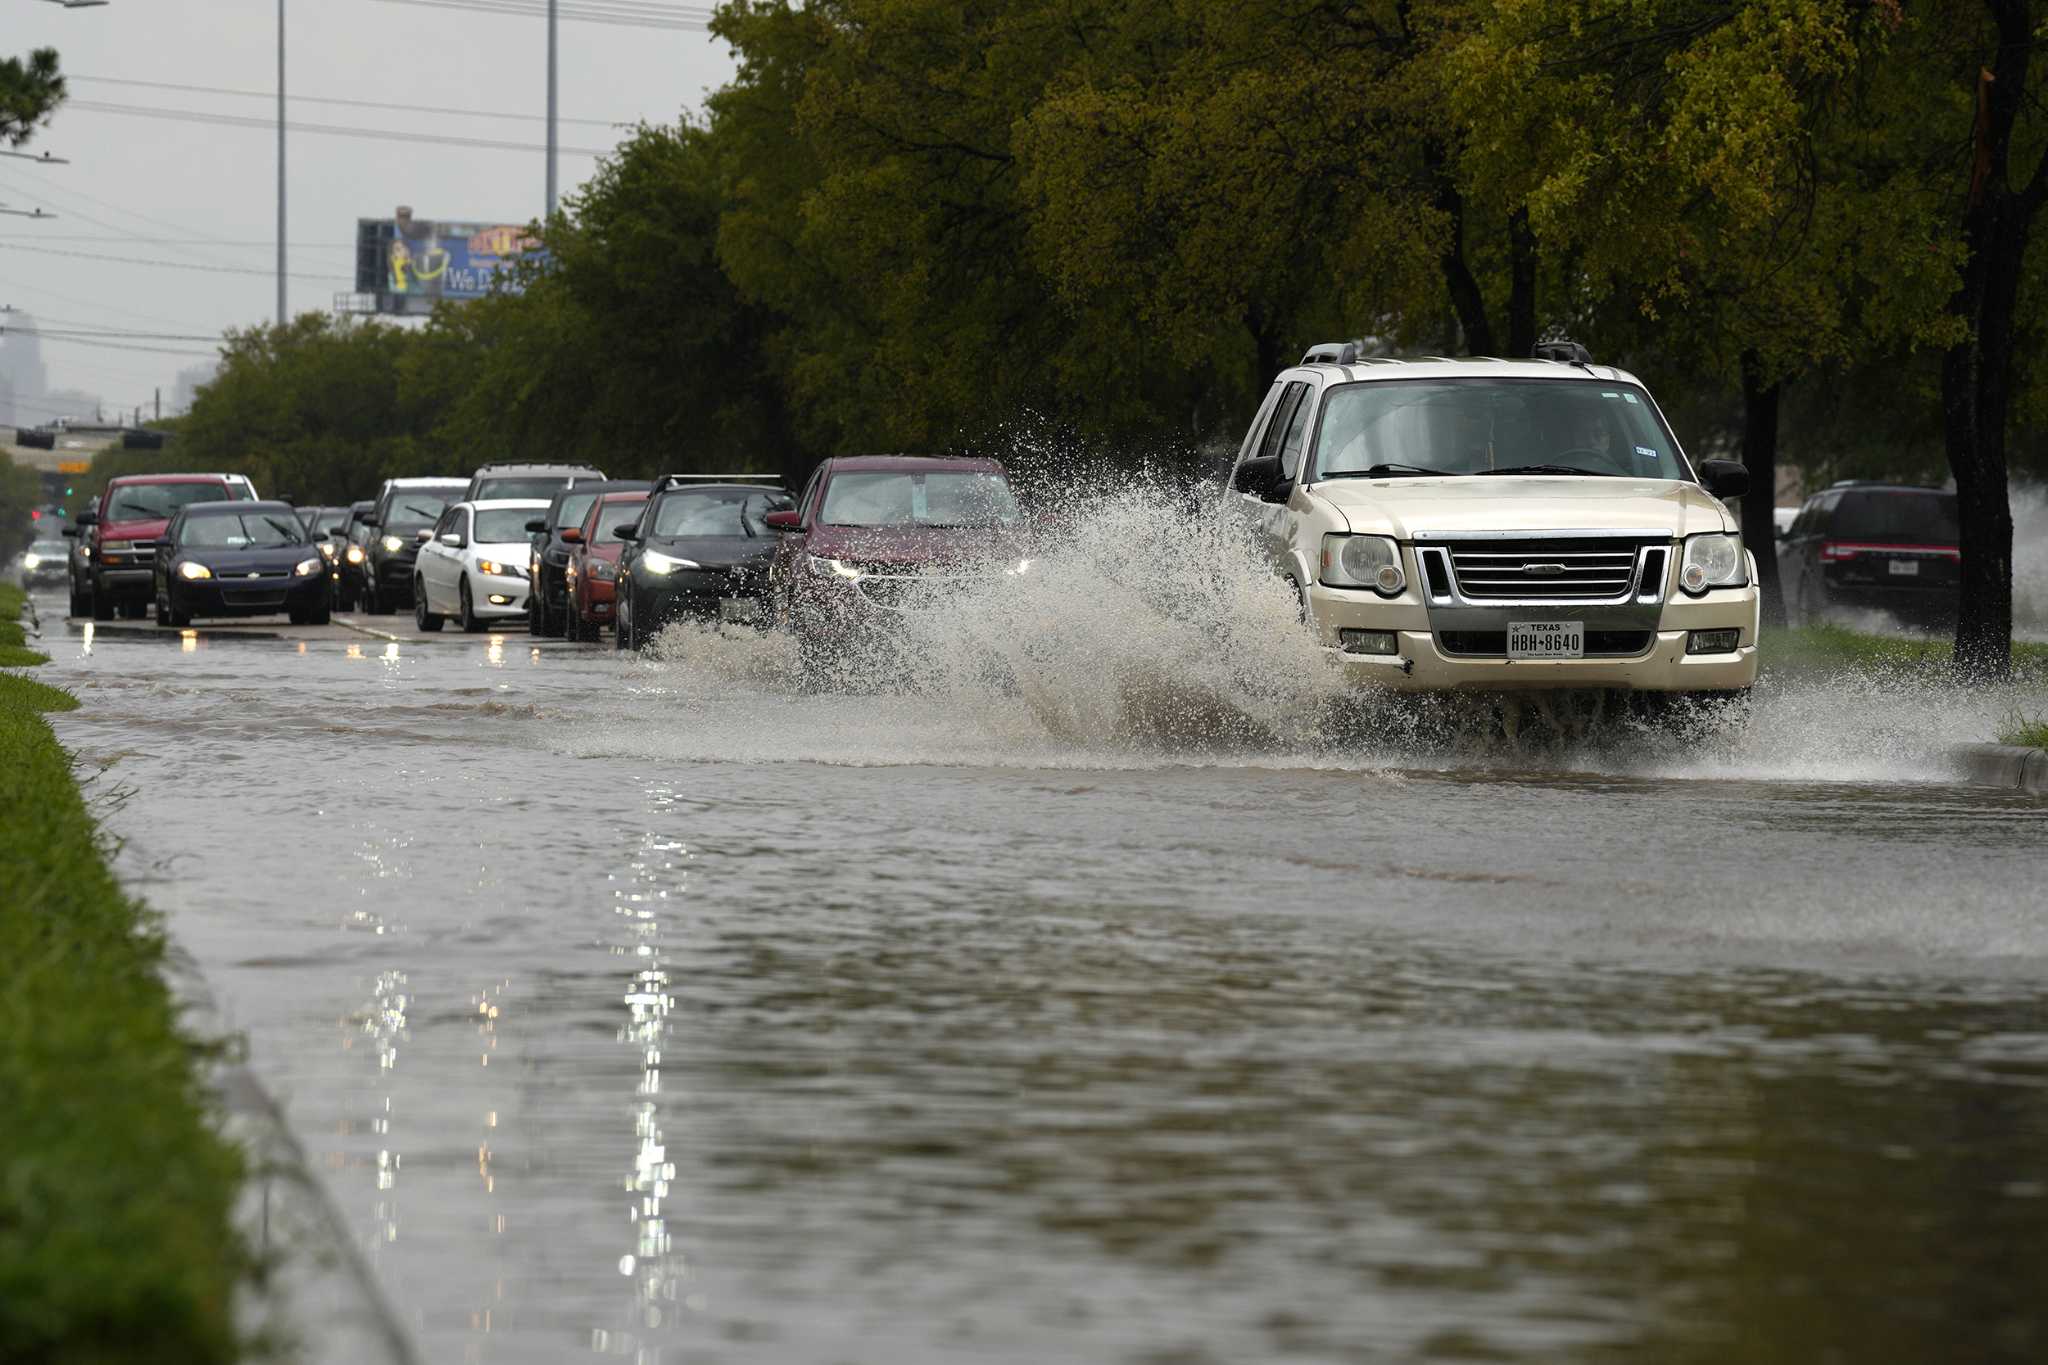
point(30, 92)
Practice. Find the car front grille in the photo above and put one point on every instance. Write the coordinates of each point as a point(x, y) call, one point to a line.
point(1574, 569)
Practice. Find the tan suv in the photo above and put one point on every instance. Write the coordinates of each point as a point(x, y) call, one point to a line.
point(1498, 524)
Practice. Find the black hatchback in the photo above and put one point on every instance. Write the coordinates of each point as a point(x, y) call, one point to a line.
point(239, 559)
point(701, 548)
point(1891, 548)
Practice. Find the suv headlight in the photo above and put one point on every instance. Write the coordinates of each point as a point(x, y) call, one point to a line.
point(1713, 561)
point(193, 569)
point(832, 568)
point(1363, 562)
point(392, 545)
point(353, 554)
point(655, 562)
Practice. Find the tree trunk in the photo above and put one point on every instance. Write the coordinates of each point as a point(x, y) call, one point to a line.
point(1976, 374)
point(1521, 286)
point(1458, 278)
point(1760, 457)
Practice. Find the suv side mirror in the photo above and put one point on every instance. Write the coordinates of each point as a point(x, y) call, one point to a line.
point(572, 535)
point(782, 521)
point(452, 539)
point(1259, 476)
point(1724, 478)
point(84, 519)
point(71, 531)
point(424, 535)
point(536, 527)
point(372, 520)
point(627, 530)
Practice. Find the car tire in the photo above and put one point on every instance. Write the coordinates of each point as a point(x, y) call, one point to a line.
point(536, 624)
point(102, 606)
point(470, 624)
point(553, 623)
point(320, 615)
point(134, 611)
point(426, 620)
point(81, 603)
point(175, 619)
point(623, 637)
point(163, 612)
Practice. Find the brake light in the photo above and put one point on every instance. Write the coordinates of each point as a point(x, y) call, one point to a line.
point(1832, 553)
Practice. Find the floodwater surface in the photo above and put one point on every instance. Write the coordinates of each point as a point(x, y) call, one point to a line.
point(654, 1010)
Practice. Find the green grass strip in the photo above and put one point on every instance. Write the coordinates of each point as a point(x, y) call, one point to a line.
point(1826, 649)
point(117, 1244)
point(14, 651)
point(2033, 733)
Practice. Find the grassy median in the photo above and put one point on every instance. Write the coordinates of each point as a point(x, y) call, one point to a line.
point(1828, 649)
point(116, 1192)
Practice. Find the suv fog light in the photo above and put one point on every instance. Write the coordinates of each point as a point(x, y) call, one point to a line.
point(1368, 641)
point(1713, 641)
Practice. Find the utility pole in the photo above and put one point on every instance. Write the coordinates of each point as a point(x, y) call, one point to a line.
point(159, 403)
point(281, 306)
point(553, 99)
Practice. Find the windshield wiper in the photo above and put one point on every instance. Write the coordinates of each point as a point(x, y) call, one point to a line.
point(1553, 469)
point(1377, 471)
point(421, 511)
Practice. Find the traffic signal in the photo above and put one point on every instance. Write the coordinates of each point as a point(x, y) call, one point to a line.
point(35, 514)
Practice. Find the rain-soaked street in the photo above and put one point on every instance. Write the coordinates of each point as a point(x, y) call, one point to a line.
point(649, 1009)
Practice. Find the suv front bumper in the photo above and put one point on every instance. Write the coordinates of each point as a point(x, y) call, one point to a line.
point(1422, 663)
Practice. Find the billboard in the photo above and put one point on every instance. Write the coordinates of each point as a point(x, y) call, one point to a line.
point(406, 264)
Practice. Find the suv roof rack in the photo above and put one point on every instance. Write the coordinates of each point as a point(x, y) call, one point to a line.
point(1563, 350)
point(678, 480)
point(1332, 353)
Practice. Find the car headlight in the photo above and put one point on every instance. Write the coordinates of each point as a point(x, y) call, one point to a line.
point(1712, 561)
point(30, 561)
point(1363, 562)
point(655, 562)
point(85, 552)
point(306, 568)
point(193, 569)
point(326, 549)
point(392, 545)
point(354, 554)
point(603, 570)
point(832, 568)
point(493, 568)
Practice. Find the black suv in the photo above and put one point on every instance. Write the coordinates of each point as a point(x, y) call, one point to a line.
point(352, 564)
point(700, 548)
point(1883, 547)
point(546, 604)
point(406, 510)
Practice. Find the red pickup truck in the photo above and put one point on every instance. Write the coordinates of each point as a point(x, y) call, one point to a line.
point(112, 573)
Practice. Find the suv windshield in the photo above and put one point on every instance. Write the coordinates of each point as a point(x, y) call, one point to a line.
point(412, 510)
point(1484, 426)
point(716, 512)
point(910, 498)
point(501, 525)
point(572, 509)
point(1898, 518)
point(540, 486)
point(161, 501)
point(241, 531)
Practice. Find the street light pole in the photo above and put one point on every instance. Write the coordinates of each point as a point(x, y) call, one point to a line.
point(553, 98)
point(281, 305)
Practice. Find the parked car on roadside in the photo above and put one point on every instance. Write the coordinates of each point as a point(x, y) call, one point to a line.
point(44, 563)
point(472, 566)
point(592, 574)
point(352, 560)
point(117, 536)
point(500, 481)
point(701, 548)
point(873, 537)
point(1891, 548)
point(237, 559)
point(406, 510)
point(550, 558)
point(1497, 524)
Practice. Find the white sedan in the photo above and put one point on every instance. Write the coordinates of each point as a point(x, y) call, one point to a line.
point(472, 564)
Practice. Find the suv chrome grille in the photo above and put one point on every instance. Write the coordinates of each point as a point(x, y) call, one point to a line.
point(1577, 569)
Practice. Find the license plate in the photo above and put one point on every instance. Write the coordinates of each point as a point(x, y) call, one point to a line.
point(739, 609)
point(1905, 568)
point(1546, 639)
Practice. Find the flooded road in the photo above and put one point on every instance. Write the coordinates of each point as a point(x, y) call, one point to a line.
point(649, 1010)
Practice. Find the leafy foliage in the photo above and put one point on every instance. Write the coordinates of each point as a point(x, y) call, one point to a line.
point(30, 92)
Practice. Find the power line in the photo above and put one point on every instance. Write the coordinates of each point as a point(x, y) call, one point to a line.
point(88, 303)
point(169, 241)
point(174, 265)
point(660, 17)
point(37, 195)
point(125, 346)
point(329, 129)
point(351, 103)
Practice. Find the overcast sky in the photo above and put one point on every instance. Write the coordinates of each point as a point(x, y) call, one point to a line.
point(150, 187)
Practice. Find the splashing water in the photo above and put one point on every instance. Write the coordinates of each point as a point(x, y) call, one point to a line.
point(1148, 632)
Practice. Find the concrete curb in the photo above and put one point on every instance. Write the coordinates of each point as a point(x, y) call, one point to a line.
point(2012, 766)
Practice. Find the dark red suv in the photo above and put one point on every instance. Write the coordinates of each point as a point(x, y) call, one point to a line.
point(113, 571)
point(874, 537)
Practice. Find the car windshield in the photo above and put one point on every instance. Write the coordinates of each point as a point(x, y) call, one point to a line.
point(499, 525)
point(411, 511)
point(574, 508)
point(532, 486)
point(46, 549)
point(1484, 426)
point(161, 501)
point(1898, 518)
point(241, 531)
point(716, 512)
point(912, 498)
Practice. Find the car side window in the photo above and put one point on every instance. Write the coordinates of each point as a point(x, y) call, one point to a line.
point(809, 502)
point(1291, 439)
point(1283, 417)
point(1255, 434)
